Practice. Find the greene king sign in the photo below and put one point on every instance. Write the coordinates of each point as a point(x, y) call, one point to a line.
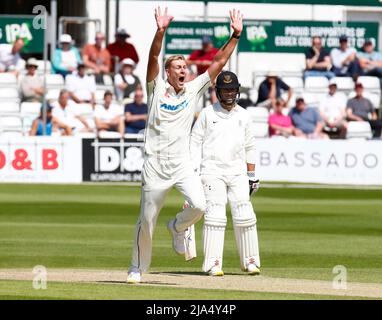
point(185, 37)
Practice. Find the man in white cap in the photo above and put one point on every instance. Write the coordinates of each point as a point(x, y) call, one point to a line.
point(120, 49)
point(65, 59)
point(125, 81)
point(32, 86)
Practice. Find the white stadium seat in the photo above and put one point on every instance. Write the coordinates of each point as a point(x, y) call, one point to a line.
point(316, 84)
point(11, 134)
point(9, 95)
point(84, 109)
point(8, 80)
point(258, 114)
point(258, 81)
point(55, 81)
point(313, 99)
point(109, 135)
point(359, 130)
point(88, 135)
point(107, 80)
point(344, 83)
point(9, 107)
point(30, 108)
point(52, 95)
point(370, 83)
point(260, 129)
point(99, 95)
point(10, 123)
point(29, 111)
point(295, 83)
point(40, 68)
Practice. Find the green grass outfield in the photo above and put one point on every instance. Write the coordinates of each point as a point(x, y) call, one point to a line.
point(303, 234)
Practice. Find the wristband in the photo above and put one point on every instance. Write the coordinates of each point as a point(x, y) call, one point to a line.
point(235, 36)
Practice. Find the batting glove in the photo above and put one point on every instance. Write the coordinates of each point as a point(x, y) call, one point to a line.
point(254, 184)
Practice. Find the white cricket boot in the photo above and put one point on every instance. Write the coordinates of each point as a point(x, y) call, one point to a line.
point(133, 275)
point(216, 271)
point(177, 238)
point(252, 269)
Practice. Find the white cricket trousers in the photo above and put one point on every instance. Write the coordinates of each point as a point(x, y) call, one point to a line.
point(158, 178)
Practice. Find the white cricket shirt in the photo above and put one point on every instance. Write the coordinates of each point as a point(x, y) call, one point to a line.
point(223, 142)
point(108, 114)
point(82, 87)
point(171, 115)
point(333, 106)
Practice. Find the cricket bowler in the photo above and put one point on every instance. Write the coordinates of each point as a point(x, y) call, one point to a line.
point(167, 161)
point(223, 149)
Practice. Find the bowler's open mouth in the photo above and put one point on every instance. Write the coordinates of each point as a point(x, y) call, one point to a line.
point(181, 79)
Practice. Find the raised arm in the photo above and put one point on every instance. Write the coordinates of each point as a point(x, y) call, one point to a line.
point(225, 52)
point(163, 21)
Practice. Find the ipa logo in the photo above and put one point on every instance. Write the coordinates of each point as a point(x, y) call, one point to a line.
point(340, 280)
point(221, 32)
point(40, 278)
point(14, 31)
point(256, 34)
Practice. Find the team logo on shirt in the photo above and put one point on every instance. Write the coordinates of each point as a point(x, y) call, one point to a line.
point(176, 107)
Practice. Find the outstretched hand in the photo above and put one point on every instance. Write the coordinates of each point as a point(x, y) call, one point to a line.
point(163, 20)
point(236, 21)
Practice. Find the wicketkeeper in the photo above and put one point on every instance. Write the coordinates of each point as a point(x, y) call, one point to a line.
point(223, 149)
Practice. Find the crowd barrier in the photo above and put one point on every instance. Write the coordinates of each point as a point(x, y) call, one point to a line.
point(76, 160)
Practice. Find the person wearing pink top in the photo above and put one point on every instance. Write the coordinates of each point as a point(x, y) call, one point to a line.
point(280, 124)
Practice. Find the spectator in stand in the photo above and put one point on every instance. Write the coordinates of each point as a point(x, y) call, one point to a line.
point(370, 60)
point(65, 59)
point(81, 86)
point(361, 109)
point(307, 121)
point(122, 49)
point(32, 85)
point(109, 116)
point(37, 128)
point(271, 89)
point(318, 62)
point(136, 114)
point(332, 110)
point(96, 58)
point(344, 60)
point(202, 59)
point(125, 81)
point(279, 123)
point(66, 118)
point(10, 59)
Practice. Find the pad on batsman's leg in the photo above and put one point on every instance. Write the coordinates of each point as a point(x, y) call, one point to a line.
point(213, 237)
point(244, 223)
